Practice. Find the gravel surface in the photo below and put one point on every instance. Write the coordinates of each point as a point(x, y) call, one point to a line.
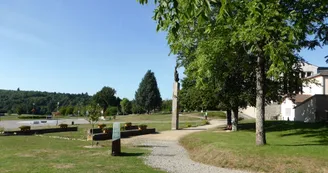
point(169, 156)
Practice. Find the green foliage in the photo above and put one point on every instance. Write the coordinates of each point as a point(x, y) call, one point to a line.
point(94, 113)
point(69, 110)
point(128, 124)
point(193, 98)
point(166, 106)
point(32, 116)
point(63, 110)
point(205, 122)
point(63, 125)
point(136, 109)
point(102, 126)
point(126, 106)
point(238, 48)
point(19, 109)
point(148, 96)
point(111, 111)
point(45, 102)
point(25, 128)
point(106, 97)
point(142, 127)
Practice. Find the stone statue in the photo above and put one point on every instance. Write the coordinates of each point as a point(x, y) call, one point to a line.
point(176, 74)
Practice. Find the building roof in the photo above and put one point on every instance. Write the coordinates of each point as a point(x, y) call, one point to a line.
point(323, 73)
point(305, 62)
point(322, 68)
point(299, 98)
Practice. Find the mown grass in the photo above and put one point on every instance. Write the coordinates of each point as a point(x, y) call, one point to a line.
point(292, 147)
point(9, 117)
point(22, 154)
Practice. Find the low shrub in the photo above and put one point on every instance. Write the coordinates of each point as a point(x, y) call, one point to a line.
point(2, 130)
point(32, 116)
point(63, 125)
point(240, 118)
point(107, 130)
point(101, 126)
point(189, 125)
point(25, 128)
point(128, 124)
point(205, 122)
point(142, 127)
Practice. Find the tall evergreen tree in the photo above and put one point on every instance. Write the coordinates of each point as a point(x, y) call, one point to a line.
point(148, 96)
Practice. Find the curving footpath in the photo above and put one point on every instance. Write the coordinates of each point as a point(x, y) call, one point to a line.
point(169, 156)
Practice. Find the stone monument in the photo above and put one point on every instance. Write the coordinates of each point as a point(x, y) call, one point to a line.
point(175, 101)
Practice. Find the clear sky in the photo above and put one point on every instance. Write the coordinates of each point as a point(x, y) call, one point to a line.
point(76, 46)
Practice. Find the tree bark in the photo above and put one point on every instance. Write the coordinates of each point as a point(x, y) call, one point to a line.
point(229, 118)
point(260, 101)
point(235, 119)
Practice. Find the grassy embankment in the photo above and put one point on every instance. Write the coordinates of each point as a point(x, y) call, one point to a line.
point(292, 147)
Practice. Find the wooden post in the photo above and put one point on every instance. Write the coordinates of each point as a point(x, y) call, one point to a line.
point(116, 147)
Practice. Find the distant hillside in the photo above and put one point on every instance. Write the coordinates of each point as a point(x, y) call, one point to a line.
point(44, 102)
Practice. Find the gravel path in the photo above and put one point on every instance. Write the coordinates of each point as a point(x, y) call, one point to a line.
point(169, 156)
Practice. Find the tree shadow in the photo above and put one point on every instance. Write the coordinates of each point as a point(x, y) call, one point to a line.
point(131, 154)
point(151, 146)
point(307, 130)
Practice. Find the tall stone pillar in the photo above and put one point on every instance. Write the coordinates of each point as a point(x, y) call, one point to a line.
point(175, 106)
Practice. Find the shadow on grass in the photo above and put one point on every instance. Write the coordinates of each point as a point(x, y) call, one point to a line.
point(310, 130)
point(190, 128)
point(302, 145)
point(131, 154)
point(151, 146)
point(276, 126)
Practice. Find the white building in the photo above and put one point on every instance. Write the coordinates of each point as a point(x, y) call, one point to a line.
point(310, 106)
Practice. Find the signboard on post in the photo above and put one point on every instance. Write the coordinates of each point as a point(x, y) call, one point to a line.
point(116, 131)
point(116, 139)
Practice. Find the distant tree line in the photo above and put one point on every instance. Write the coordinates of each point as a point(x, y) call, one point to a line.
point(28, 102)
point(147, 100)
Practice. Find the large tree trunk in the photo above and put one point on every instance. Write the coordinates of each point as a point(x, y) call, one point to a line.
point(229, 119)
point(260, 100)
point(235, 119)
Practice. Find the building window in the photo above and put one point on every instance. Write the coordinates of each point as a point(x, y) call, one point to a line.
point(303, 75)
point(308, 74)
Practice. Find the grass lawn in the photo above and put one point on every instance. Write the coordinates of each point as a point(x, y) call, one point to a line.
point(9, 117)
point(43, 154)
point(292, 147)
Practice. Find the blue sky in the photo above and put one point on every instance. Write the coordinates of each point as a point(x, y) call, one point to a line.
point(80, 46)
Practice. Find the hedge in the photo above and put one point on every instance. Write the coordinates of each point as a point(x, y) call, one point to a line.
point(32, 116)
